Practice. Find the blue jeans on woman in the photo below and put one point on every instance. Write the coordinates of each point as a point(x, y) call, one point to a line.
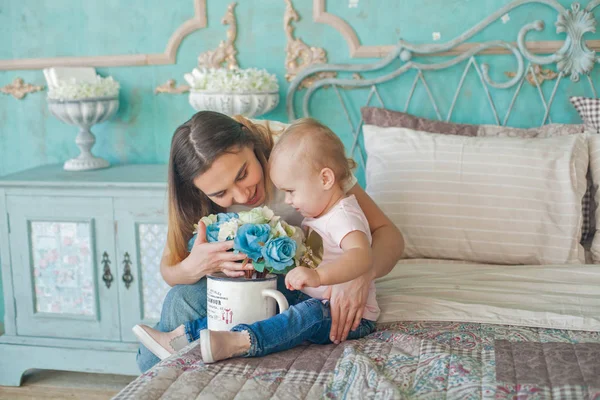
point(185, 303)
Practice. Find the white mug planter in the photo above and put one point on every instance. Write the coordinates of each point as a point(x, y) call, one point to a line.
point(84, 113)
point(249, 105)
point(233, 301)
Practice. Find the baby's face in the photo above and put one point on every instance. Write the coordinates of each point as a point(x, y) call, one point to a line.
point(301, 184)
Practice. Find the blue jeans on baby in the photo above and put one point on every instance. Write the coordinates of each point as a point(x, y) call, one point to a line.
point(308, 320)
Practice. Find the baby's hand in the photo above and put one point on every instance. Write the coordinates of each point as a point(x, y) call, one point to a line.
point(300, 277)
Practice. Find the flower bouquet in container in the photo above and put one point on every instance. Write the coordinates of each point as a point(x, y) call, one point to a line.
point(270, 243)
point(84, 104)
point(249, 92)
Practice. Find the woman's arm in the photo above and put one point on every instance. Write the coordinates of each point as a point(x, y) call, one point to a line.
point(348, 299)
point(177, 274)
point(388, 243)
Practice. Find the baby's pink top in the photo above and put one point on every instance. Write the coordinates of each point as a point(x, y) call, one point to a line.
point(345, 217)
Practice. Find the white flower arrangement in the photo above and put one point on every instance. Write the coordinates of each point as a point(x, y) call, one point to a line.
point(251, 80)
point(73, 90)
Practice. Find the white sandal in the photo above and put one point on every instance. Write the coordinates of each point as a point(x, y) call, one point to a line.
point(205, 348)
point(151, 344)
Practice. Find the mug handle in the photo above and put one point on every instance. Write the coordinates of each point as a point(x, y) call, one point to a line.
point(279, 297)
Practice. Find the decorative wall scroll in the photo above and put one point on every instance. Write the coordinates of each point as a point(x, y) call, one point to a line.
point(198, 21)
point(536, 74)
point(170, 87)
point(19, 89)
point(357, 50)
point(298, 55)
point(225, 53)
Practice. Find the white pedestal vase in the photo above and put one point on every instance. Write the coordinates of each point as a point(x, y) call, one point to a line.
point(84, 114)
point(249, 105)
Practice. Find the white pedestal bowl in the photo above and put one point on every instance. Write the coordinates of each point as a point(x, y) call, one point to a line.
point(247, 104)
point(84, 113)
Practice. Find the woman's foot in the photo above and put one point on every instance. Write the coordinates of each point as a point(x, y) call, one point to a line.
point(162, 344)
point(221, 345)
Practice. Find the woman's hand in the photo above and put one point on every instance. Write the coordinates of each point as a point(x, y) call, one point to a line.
point(347, 302)
point(207, 258)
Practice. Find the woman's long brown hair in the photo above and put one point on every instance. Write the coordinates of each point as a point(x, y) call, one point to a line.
point(196, 144)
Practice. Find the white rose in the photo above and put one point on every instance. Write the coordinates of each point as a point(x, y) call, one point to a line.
point(228, 230)
point(254, 216)
point(267, 213)
point(274, 221)
point(209, 220)
point(289, 229)
point(278, 230)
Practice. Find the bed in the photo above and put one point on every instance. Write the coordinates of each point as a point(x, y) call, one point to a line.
point(477, 327)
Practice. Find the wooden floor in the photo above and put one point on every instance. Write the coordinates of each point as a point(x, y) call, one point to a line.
point(54, 385)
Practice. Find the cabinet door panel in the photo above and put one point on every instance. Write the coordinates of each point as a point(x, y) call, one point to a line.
point(61, 247)
point(141, 238)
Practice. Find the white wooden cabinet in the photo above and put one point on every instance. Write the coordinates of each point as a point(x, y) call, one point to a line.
point(80, 254)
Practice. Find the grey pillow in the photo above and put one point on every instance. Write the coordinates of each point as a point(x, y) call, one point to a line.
point(389, 118)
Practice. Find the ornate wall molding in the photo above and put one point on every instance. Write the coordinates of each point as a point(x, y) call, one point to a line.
point(19, 89)
point(169, 56)
point(171, 87)
point(358, 50)
point(572, 57)
point(225, 53)
point(298, 55)
point(536, 75)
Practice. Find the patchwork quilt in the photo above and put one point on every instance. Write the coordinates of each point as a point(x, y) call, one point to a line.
point(403, 360)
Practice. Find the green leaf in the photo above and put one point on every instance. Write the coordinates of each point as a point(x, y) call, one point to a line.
point(259, 266)
point(285, 271)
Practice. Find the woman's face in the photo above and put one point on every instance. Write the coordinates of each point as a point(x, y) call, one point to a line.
point(234, 178)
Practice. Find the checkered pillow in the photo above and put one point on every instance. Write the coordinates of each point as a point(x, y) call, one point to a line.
point(589, 111)
point(588, 226)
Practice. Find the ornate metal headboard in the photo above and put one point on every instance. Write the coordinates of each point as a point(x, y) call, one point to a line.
point(362, 84)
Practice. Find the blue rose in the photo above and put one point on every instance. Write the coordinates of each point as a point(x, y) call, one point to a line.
point(224, 217)
point(279, 253)
point(212, 233)
point(251, 238)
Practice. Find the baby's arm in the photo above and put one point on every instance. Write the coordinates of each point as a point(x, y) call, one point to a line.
point(355, 262)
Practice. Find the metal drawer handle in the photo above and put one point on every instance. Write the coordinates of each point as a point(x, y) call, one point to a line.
point(127, 277)
point(107, 277)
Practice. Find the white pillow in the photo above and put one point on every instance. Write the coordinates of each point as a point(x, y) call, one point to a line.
point(491, 200)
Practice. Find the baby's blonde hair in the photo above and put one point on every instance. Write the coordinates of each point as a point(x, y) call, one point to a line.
point(320, 146)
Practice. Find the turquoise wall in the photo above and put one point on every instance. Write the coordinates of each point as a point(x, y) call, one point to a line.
point(142, 129)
